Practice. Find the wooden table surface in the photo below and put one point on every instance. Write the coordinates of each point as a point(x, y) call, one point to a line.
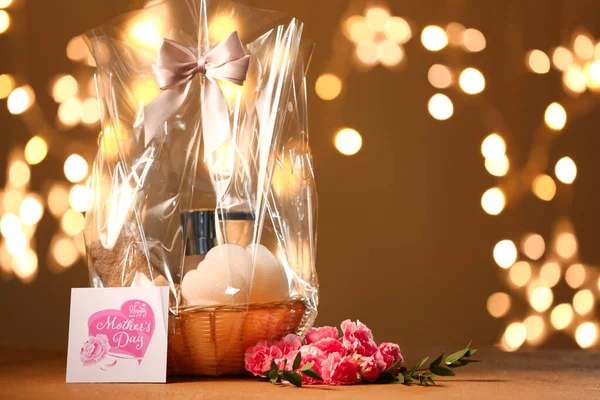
point(541, 374)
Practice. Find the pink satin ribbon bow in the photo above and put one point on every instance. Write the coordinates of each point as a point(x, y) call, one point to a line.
point(174, 70)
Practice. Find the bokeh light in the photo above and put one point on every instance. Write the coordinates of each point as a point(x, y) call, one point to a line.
point(562, 58)
point(574, 80)
point(497, 167)
point(440, 107)
point(76, 49)
point(76, 168)
point(348, 141)
point(473, 40)
point(555, 117)
point(535, 326)
point(367, 52)
point(359, 30)
point(7, 84)
point(63, 251)
point(493, 147)
point(69, 112)
point(328, 86)
point(26, 266)
point(79, 197)
point(541, 298)
point(520, 273)
point(434, 38)
point(147, 32)
point(31, 210)
point(514, 336)
point(543, 187)
point(72, 222)
point(90, 111)
point(36, 150)
point(5, 3)
point(390, 53)
point(19, 173)
point(566, 245)
point(538, 62)
point(20, 99)
point(505, 253)
point(561, 316)
point(64, 88)
point(498, 304)
point(575, 275)
point(439, 76)
point(586, 335)
point(533, 246)
point(566, 170)
point(550, 274)
point(4, 21)
point(455, 32)
point(10, 225)
point(58, 200)
point(583, 47)
point(220, 27)
point(397, 30)
point(471, 81)
point(376, 18)
point(583, 301)
point(493, 201)
point(11, 200)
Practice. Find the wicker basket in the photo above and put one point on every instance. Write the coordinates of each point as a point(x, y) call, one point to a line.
point(212, 341)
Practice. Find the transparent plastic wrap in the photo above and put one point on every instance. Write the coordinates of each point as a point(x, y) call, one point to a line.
point(203, 179)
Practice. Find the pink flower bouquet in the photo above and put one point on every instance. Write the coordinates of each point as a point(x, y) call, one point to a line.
point(326, 358)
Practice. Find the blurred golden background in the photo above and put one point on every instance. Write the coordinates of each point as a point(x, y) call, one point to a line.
point(453, 145)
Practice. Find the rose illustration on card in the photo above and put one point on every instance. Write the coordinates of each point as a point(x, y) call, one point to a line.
point(122, 333)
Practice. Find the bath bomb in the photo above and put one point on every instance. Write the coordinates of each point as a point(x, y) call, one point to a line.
point(270, 282)
point(230, 260)
point(222, 278)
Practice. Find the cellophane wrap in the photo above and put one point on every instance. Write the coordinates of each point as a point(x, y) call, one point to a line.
point(134, 232)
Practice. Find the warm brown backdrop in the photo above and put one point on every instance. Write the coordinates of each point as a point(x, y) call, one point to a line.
point(403, 242)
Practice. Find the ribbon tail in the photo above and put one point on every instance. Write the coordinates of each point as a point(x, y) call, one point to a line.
point(216, 128)
point(159, 110)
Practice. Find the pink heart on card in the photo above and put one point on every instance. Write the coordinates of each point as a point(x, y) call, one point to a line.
point(129, 330)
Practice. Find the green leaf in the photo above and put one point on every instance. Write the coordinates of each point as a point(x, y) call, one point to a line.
point(274, 380)
point(442, 371)
point(273, 366)
point(273, 375)
point(391, 369)
point(266, 373)
point(308, 366)
point(400, 378)
point(471, 353)
point(419, 364)
point(430, 379)
point(462, 363)
point(456, 356)
point(437, 361)
point(297, 361)
point(313, 374)
point(413, 380)
point(292, 377)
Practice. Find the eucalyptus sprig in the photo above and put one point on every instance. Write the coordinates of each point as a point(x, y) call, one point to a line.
point(425, 376)
point(295, 376)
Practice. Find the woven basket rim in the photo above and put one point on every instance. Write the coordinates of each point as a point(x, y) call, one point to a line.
point(236, 307)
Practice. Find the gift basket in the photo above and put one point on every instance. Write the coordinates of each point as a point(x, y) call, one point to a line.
point(203, 179)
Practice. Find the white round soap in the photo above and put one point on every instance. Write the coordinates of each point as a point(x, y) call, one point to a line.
point(270, 282)
point(222, 278)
